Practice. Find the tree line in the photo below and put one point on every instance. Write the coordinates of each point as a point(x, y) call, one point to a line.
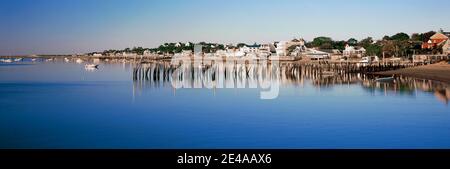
point(397, 45)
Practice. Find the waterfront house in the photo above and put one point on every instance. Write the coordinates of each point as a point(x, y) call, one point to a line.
point(186, 52)
point(297, 51)
point(297, 42)
point(351, 51)
point(234, 52)
point(314, 54)
point(112, 54)
point(439, 38)
point(335, 54)
point(220, 53)
point(267, 48)
point(97, 54)
point(128, 54)
point(250, 48)
point(147, 53)
point(281, 48)
point(446, 47)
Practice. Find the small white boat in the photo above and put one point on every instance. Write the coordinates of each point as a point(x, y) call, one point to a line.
point(8, 60)
point(386, 79)
point(18, 59)
point(33, 60)
point(66, 60)
point(364, 60)
point(91, 66)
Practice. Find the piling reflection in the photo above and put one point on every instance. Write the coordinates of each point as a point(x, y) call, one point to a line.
point(163, 74)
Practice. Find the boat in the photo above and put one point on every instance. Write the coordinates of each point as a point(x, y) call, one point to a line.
point(33, 60)
point(91, 66)
point(386, 79)
point(18, 59)
point(364, 60)
point(79, 61)
point(8, 60)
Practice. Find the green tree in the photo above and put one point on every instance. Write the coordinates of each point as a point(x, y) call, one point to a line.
point(366, 42)
point(373, 50)
point(241, 45)
point(352, 41)
point(400, 37)
point(322, 42)
point(340, 45)
point(417, 37)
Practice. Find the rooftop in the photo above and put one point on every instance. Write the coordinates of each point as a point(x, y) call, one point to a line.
point(254, 46)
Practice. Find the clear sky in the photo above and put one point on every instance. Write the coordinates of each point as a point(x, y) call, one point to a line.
point(78, 26)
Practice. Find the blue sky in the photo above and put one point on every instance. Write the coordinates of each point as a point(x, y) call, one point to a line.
point(77, 26)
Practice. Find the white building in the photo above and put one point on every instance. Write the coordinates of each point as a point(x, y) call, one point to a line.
point(97, 54)
point(351, 51)
point(281, 48)
point(186, 52)
point(250, 48)
point(297, 42)
point(127, 54)
point(446, 47)
point(147, 53)
point(314, 54)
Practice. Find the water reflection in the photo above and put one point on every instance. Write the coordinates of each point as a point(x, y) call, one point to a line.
point(163, 74)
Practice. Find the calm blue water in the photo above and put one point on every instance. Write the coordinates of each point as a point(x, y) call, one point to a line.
point(61, 105)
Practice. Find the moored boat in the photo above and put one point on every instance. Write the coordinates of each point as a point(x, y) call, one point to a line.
point(91, 66)
point(8, 60)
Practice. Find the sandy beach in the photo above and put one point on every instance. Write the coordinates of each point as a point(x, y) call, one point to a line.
point(439, 71)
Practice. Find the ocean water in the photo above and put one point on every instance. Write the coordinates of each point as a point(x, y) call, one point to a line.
point(63, 105)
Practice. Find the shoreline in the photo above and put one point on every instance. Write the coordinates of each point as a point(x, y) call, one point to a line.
point(438, 72)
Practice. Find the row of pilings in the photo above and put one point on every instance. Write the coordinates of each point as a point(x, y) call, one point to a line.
point(158, 74)
point(359, 67)
point(161, 71)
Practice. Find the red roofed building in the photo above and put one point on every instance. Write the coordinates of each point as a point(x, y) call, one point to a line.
point(435, 40)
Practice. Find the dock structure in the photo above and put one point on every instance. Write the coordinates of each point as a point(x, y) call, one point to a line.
point(160, 73)
point(322, 65)
point(421, 59)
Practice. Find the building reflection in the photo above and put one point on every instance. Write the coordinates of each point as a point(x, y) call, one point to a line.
point(162, 74)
